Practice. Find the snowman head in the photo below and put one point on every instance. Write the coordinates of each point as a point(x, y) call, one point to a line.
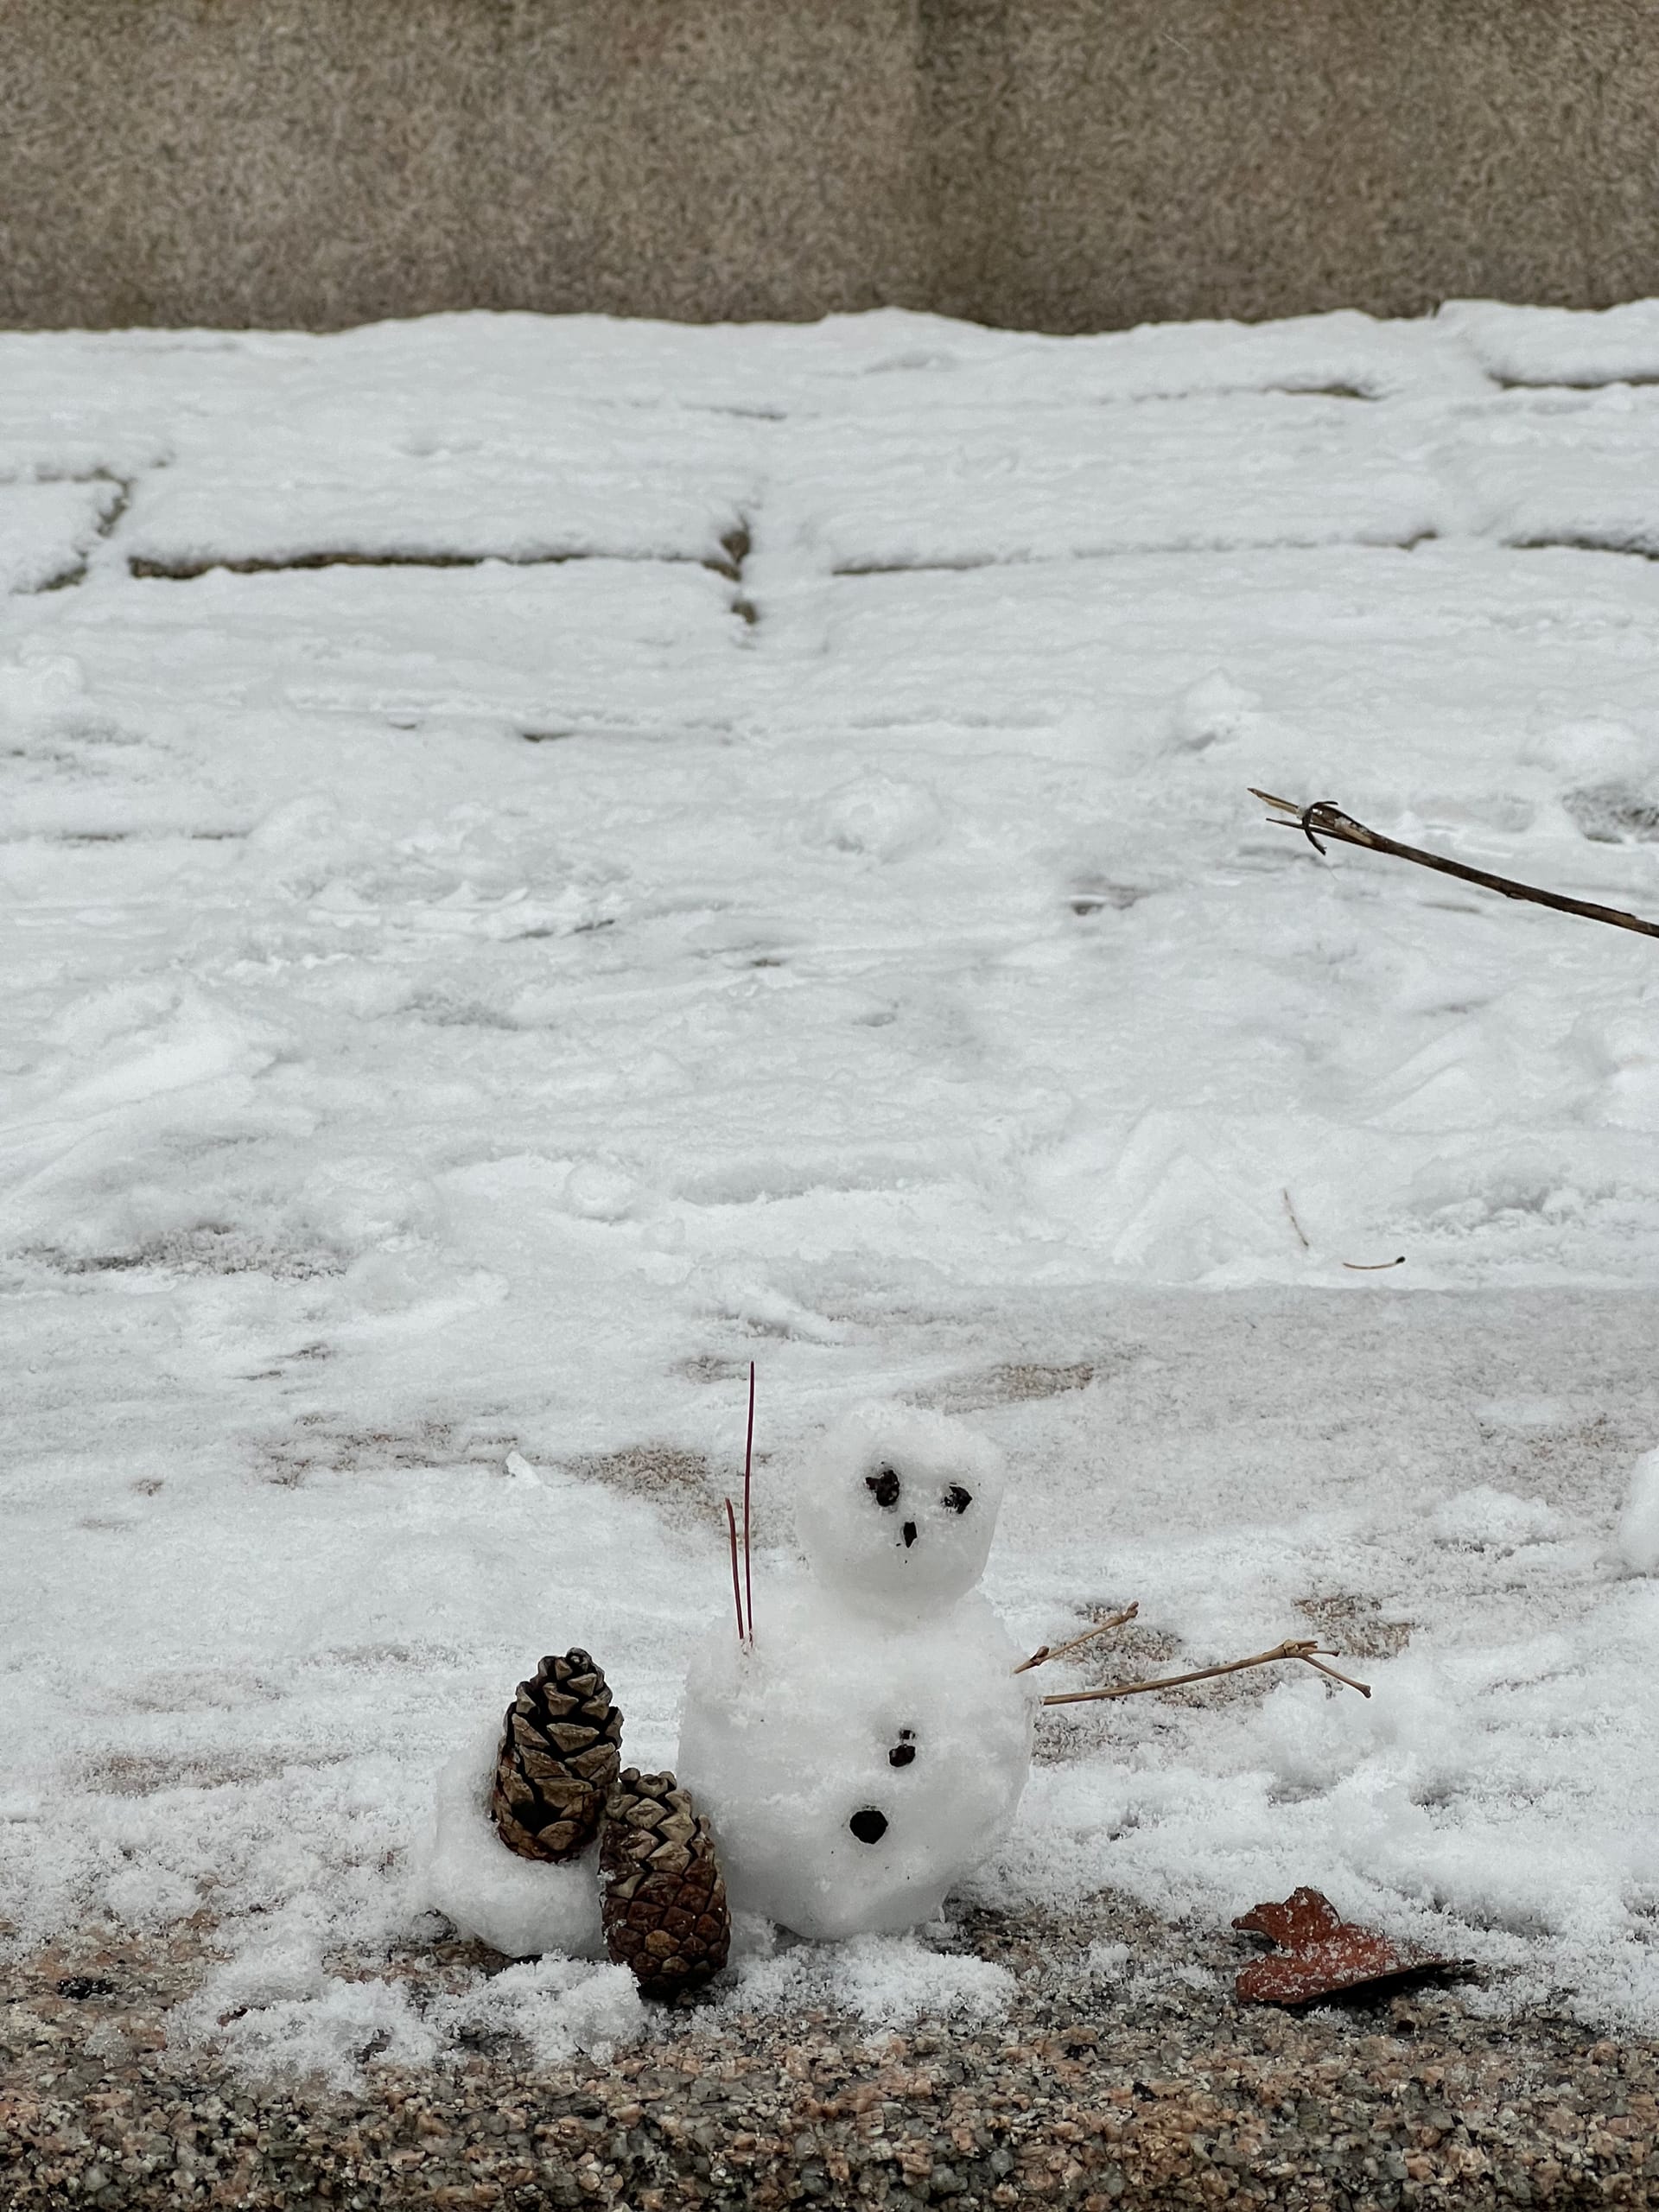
point(896, 1508)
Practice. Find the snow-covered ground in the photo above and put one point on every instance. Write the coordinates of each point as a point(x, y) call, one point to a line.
point(544, 860)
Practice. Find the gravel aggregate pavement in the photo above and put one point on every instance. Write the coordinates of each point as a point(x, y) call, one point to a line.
point(1154, 2089)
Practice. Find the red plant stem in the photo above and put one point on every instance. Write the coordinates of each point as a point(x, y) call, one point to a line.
point(748, 1472)
point(737, 1594)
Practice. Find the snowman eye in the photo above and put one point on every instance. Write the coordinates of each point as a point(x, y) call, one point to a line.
point(884, 1487)
point(958, 1499)
point(905, 1750)
point(869, 1826)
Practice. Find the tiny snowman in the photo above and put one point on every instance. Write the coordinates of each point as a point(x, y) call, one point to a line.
point(866, 1746)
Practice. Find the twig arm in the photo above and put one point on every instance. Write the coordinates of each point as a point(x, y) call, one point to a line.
point(1044, 1652)
point(1325, 818)
point(1303, 1649)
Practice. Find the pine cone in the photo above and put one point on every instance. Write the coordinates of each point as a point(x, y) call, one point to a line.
point(663, 1898)
point(558, 1760)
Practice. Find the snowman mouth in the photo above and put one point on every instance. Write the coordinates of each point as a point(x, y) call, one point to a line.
point(909, 1532)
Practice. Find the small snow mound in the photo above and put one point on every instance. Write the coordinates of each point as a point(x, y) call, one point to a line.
point(273, 2007)
point(1211, 711)
point(1106, 1961)
point(39, 686)
point(559, 2007)
point(333, 2033)
point(888, 1980)
point(600, 1190)
point(1638, 1525)
point(882, 817)
point(296, 827)
point(1484, 1519)
point(1596, 747)
point(148, 1896)
point(518, 1906)
point(894, 1980)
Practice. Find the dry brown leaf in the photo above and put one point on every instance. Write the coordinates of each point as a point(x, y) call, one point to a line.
point(1322, 1955)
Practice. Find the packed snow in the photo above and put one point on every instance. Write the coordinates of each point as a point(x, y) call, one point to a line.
point(895, 1509)
point(860, 1759)
point(547, 859)
point(523, 1908)
point(1638, 1525)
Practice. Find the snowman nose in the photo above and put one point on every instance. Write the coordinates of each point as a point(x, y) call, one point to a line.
point(910, 1534)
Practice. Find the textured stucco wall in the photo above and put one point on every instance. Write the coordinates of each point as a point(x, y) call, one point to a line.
point(1108, 160)
point(325, 161)
point(1069, 164)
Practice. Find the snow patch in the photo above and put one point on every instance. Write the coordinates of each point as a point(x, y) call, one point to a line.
point(522, 1907)
point(1638, 1524)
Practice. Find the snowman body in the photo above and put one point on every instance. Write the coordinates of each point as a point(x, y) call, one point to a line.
point(870, 1747)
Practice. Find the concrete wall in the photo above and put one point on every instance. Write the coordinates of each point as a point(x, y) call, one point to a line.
point(1067, 164)
point(1109, 161)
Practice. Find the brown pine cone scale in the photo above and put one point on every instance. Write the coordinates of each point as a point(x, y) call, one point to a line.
point(663, 1897)
point(558, 1759)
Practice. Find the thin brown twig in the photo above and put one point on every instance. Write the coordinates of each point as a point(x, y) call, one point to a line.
point(737, 1594)
point(1374, 1266)
point(1363, 1687)
point(1325, 817)
point(1047, 1651)
point(1304, 1649)
point(1301, 1233)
